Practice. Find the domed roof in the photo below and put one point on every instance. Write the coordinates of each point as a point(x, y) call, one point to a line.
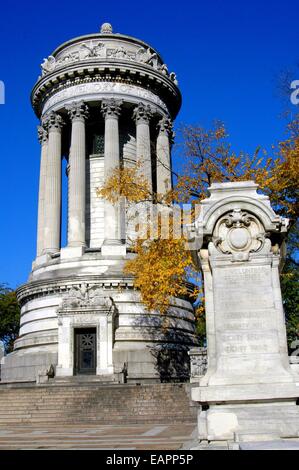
point(106, 56)
point(105, 34)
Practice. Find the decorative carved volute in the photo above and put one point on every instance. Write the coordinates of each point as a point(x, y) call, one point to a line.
point(165, 126)
point(238, 231)
point(142, 113)
point(77, 110)
point(237, 221)
point(111, 108)
point(54, 121)
point(42, 133)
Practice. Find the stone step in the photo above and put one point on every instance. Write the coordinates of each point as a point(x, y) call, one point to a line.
point(156, 403)
point(79, 419)
point(93, 409)
point(84, 402)
point(111, 411)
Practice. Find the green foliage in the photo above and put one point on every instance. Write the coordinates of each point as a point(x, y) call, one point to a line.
point(200, 328)
point(9, 317)
point(290, 295)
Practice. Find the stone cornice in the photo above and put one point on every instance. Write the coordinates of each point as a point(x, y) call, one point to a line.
point(93, 71)
point(35, 289)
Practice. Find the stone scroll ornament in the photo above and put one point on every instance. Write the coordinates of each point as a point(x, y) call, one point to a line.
point(239, 233)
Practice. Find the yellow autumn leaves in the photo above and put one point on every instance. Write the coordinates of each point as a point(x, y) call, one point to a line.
point(162, 267)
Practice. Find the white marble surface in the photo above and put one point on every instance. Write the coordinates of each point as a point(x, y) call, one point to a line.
point(241, 251)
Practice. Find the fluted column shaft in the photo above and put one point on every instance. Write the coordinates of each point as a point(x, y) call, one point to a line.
point(43, 138)
point(163, 155)
point(52, 204)
point(111, 110)
point(142, 115)
point(78, 112)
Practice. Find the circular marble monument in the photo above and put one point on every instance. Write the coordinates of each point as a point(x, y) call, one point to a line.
point(103, 100)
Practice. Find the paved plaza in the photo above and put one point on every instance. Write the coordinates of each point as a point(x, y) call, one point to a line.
point(72, 437)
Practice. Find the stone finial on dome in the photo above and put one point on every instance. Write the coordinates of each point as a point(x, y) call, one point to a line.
point(106, 28)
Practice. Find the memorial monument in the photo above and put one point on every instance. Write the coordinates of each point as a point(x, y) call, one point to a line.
point(103, 100)
point(249, 390)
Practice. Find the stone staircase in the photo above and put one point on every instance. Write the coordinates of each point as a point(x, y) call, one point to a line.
point(84, 403)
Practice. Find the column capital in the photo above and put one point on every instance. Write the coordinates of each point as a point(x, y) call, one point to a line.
point(111, 108)
point(54, 121)
point(42, 133)
point(77, 110)
point(165, 126)
point(142, 113)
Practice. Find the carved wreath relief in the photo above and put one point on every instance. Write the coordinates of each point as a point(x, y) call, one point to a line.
point(238, 231)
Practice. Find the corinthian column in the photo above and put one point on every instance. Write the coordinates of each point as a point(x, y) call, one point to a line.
point(142, 114)
point(52, 204)
point(43, 139)
point(111, 111)
point(78, 113)
point(163, 155)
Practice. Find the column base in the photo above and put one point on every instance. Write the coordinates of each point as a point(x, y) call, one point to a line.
point(64, 371)
point(42, 259)
point(249, 421)
point(113, 248)
point(107, 371)
point(245, 392)
point(70, 252)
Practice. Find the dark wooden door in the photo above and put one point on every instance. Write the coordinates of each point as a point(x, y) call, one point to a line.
point(85, 351)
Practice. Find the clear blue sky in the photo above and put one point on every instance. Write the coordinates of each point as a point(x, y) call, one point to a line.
point(227, 55)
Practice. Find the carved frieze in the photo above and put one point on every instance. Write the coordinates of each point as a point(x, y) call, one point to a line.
point(87, 52)
point(99, 91)
point(86, 296)
point(104, 50)
point(147, 57)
